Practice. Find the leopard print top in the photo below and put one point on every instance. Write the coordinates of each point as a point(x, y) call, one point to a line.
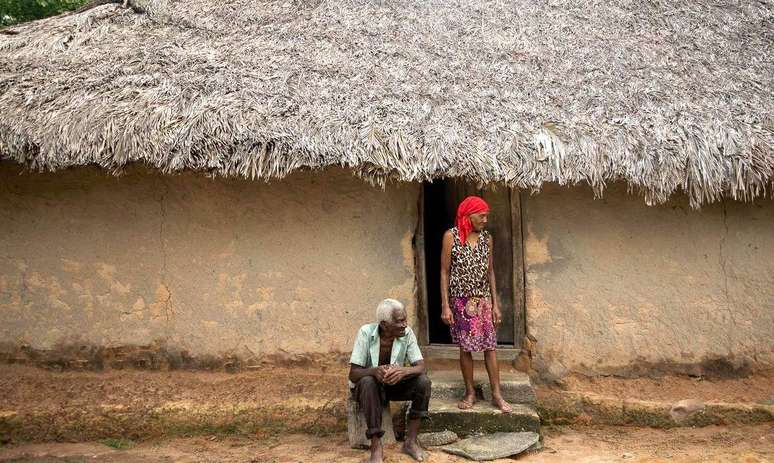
point(468, 274)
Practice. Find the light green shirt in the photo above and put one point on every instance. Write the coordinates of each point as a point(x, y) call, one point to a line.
point(365, 353)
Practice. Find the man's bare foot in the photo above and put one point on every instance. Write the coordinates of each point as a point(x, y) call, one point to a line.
point(500, 403)
point(376, 454)
point(376, 451)
point(412, 449)
point(467, 402)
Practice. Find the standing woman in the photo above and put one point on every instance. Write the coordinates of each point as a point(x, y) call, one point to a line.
point(468, 296)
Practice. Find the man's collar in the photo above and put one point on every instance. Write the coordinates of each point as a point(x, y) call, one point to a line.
point(375, 331)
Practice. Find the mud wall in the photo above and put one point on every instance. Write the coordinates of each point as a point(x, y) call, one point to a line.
point(208, 266)
point(617, 287)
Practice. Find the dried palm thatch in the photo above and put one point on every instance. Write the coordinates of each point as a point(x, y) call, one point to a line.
point(665, 95)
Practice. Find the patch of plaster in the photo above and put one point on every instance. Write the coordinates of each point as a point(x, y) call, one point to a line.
point(21, 265)
point(162, 306)
point(34, 281)
point(229, 251)
point(536, 305)
point(107, 272)
point(535, 249)
point(230, 289)
point(137, 311)
point(47, 284)
point(209, 324)
point(71, 266)
point(58, 304)
point(265, 300)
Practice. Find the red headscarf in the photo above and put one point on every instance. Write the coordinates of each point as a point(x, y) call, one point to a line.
point(469, 205)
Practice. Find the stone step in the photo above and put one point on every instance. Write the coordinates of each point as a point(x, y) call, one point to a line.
point(482, 418)
point(515, 386)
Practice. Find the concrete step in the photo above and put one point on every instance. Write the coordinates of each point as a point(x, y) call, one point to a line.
point(482, 418)
point(515, 386)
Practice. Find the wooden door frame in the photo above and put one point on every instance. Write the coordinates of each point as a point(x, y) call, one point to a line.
point(423, 331)
point(517, 234)
point(519, 269)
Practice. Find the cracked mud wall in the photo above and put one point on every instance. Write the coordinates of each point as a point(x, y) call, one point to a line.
point(617, 287)
point(210, 266)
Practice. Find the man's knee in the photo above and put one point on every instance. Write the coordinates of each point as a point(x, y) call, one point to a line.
point(423, 384)
point(367, 383)
point(421, 397)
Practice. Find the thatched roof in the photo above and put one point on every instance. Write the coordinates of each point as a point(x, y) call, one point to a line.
point(665, 95)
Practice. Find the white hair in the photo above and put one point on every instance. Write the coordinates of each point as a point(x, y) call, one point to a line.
point(386, 308)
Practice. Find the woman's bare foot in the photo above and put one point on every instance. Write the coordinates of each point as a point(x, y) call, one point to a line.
point(412, 449)
point(501, 404)
point(467, 402)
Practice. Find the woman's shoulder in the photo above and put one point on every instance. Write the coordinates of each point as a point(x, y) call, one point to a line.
point(451, 234)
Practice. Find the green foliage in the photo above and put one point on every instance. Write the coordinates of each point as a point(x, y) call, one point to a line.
point(19, 11)
point(118, 444)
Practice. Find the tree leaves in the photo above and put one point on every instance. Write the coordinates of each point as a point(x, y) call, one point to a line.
point(19, 11)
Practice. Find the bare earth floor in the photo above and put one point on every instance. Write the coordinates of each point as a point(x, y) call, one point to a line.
point(25, 387)
point(311, 400)
point(742, 444)
point(756, 388)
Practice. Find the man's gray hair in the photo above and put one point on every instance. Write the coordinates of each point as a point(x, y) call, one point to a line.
point(386, 308)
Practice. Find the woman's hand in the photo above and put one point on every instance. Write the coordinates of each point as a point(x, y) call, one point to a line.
point(446, 315)
point(497, 316)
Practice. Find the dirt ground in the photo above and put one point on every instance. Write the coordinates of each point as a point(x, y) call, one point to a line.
point(26, 389)
point(23, 387)
point(758, 388)
point(75, 406)
point(739, 444)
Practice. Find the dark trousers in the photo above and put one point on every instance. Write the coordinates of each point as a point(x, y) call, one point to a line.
point(372, 396)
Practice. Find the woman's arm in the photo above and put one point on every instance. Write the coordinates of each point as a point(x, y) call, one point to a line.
point(446, 313)
point(497, 316)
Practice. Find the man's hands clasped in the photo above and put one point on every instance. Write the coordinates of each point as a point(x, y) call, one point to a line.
point(390, 374)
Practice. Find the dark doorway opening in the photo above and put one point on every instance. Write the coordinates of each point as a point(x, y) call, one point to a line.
point(440, 200)
point(439, 217)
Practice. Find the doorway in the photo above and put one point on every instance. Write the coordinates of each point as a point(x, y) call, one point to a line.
point(438, 209)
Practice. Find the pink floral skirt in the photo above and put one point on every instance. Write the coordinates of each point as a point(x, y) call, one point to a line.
point(473, 329)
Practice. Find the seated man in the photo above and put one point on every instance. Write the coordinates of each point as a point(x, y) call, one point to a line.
point(377, 375)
